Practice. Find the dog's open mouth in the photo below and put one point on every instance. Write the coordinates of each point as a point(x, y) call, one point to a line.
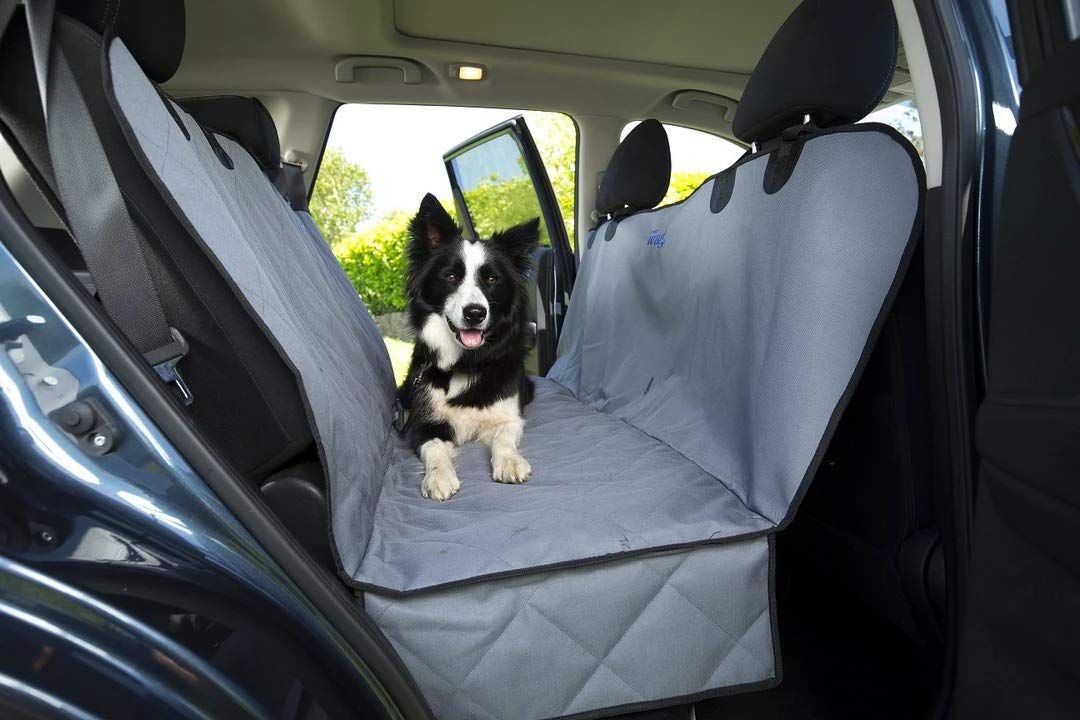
point(470, 338)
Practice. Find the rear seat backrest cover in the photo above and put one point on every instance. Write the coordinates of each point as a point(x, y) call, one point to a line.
point(290, 279)
point(733, 325)
point(733, 336)
point(709, 350)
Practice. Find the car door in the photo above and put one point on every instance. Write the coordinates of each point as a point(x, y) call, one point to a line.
point(498, 179)
point(1020, 618)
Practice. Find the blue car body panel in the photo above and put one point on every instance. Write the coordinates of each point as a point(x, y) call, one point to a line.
point(128, 518)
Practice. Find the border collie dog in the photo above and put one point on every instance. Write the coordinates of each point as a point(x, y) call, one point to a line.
point(468, 304)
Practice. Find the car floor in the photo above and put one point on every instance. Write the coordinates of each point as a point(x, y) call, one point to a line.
point(839, 661)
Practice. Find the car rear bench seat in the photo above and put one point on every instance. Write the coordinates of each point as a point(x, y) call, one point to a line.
point(707, 355)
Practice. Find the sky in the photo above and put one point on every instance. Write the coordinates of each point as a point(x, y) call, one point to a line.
point(401, 147)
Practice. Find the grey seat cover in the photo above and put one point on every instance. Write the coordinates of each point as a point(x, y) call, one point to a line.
point(704, 358)
point(733, 336)
point(292, 283)
point(600, 487)
point(620, 633)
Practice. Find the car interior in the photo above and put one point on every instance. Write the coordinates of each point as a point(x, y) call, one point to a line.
point(732, 512)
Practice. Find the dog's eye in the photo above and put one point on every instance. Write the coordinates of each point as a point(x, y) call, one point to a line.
point(450, 277)
point(491, 279)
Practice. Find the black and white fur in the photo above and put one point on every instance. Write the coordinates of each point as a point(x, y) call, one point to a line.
point(468, 304)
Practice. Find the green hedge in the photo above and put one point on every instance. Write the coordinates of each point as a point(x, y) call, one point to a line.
point(496, 205)
point(375, 261)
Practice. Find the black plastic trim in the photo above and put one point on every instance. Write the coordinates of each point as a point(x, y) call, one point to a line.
point(781, 165)
point(723, 186)
point(611, 228)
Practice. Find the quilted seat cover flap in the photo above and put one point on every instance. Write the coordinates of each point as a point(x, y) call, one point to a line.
point(733, 335)
point(616, 634)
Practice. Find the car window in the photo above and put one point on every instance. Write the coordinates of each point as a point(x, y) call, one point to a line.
point(496, 187)
point(695, 155)
point(903, 116)
point(380, 160)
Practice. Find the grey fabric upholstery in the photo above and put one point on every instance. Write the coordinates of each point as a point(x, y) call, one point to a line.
point(733, 336)
point(703, 364)
point(620, 633)
point(291, 282)
point(600, 487)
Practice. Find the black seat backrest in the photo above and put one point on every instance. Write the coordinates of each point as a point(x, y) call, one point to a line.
point(246, 400)
point(247, 121)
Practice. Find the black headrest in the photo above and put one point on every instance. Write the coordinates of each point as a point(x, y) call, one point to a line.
point(153, 30)
point(831, 59)
point(244, 119)
point(639, 172)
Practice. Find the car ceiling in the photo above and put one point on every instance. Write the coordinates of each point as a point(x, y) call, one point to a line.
point(601, 57)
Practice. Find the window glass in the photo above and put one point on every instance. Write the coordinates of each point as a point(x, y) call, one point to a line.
point(903, 116)
point(695, 155)
point(496, 186)
point(380, 160)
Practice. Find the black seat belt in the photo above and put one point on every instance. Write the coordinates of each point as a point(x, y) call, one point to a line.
point(97, 215)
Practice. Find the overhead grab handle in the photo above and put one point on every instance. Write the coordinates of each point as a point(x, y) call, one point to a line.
point(685, 99)
point(345, 70)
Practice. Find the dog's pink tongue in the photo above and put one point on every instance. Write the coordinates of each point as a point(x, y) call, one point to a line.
point(471, 338)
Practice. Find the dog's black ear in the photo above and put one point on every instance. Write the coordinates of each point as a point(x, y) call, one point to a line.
point(432, 225)
point(519, 242)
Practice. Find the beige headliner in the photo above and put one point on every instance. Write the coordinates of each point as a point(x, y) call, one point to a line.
point(605, 62)
point(591, 57)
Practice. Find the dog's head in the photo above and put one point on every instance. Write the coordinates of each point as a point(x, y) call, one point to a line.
point(467, 295)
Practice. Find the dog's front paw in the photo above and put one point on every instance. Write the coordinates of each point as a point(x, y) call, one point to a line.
point(440, 484)
point(512, 469)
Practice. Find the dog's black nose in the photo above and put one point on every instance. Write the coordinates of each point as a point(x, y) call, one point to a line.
point(474, 314)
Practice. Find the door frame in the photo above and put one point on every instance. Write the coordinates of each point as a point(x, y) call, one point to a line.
point(517, 128)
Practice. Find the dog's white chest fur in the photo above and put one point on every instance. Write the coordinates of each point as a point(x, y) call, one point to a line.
point(481, 424)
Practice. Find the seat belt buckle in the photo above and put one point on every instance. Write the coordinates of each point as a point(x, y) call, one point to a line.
point(164, 360)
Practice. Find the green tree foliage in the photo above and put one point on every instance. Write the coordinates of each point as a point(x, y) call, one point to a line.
point(375, 262)
point(342, 197)
point(374, 257)
point(682, 184)
point(556, 140)
point(498, 204)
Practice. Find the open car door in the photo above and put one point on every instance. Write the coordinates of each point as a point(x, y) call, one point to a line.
point(1020, 617)
point(498, 180)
